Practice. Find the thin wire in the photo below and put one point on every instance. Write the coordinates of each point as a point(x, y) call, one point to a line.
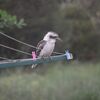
point(23, 42)
point(15, 49)
point(17, 40)
point(4, 58)
point(58, 53)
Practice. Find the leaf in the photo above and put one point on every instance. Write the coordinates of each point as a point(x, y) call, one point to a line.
point(10, 21)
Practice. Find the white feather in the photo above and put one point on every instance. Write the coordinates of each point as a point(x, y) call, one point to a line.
point(48, 47)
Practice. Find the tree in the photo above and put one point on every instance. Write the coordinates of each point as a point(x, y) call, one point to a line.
point(9, 21)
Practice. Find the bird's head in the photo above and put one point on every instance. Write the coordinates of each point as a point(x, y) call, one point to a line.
point(51, 36)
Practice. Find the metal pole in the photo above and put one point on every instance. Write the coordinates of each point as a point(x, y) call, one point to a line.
point(22, 62)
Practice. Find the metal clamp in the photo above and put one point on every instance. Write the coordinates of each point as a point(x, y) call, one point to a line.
point(69, 55)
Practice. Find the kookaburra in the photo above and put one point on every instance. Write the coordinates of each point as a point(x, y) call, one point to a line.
point(46, 46)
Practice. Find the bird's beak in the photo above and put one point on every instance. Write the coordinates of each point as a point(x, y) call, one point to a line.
point(59, 39)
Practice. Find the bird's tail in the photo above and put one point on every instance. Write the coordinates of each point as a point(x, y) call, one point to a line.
point(34, 65)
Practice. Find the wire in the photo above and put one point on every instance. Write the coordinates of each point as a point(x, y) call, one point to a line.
point(4, 58)
point(23, 42)
point(15, 49)
point(58, 53)
point(17, 40)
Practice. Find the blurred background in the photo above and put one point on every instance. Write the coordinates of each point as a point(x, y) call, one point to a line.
point(78, 24)
point(76, 21)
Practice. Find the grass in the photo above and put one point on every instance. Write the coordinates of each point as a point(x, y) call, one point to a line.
point(73, 81)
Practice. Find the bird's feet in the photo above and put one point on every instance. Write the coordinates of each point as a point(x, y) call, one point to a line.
point(42, 58)
point(50, 58)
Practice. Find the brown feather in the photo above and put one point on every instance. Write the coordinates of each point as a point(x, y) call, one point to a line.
point(40, 47)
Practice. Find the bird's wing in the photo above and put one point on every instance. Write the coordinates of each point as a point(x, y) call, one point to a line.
point(40, 47)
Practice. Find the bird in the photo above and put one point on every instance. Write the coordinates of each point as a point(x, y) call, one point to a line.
point(46, 46)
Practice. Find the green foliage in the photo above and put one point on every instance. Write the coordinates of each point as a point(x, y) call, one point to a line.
point(60, 82)
point(9, 21)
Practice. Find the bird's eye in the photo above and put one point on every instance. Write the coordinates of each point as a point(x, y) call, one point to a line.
point(53, 37)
